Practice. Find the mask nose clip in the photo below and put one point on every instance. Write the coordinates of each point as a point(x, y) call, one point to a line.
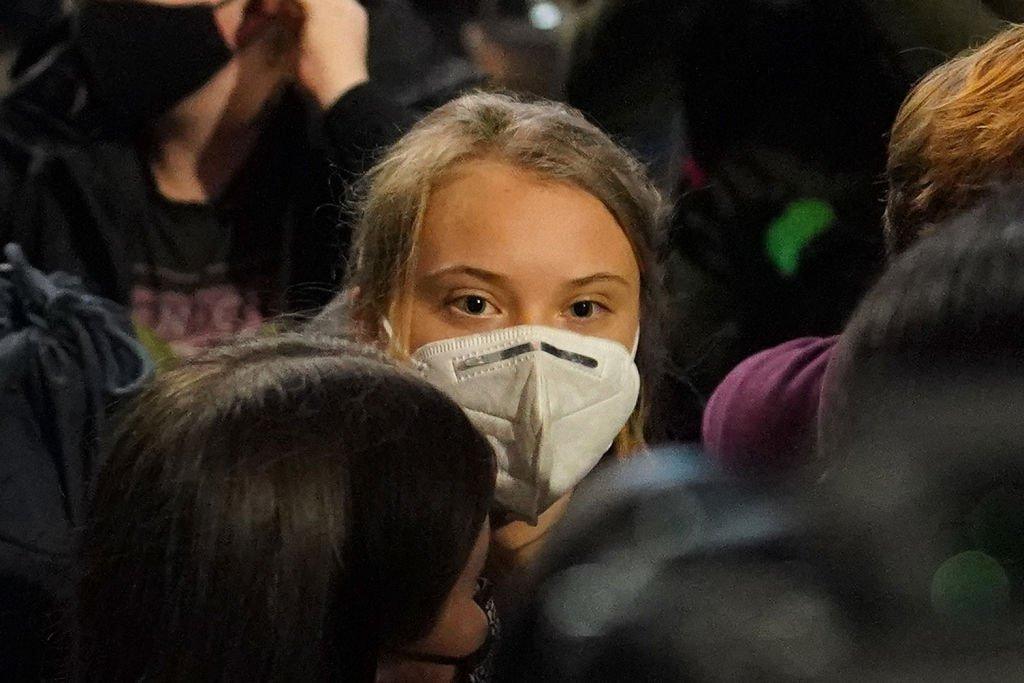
point(521, 349)
point(571, 356)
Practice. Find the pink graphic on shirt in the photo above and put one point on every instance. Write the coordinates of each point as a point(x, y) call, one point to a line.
point(191, 322)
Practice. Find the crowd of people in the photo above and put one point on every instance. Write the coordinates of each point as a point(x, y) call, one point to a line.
point(512, 340)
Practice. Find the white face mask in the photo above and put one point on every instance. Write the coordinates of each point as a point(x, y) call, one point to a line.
point(550, 402)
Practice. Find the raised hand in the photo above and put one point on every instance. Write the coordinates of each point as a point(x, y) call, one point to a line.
point(333, 37)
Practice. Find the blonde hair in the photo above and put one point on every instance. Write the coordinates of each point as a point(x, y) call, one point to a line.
point(548, 139)
point(958, 131)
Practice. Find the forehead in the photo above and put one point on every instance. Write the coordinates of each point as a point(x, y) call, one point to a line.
point(491, 215)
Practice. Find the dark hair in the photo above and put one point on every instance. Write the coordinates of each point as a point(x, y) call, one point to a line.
point(667, 570)
point(816, 79)
point(278, 509)
point(942, 332)
point(920, 432)
point(651, 576)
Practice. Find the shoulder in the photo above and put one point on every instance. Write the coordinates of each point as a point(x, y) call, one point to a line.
point(766, 408)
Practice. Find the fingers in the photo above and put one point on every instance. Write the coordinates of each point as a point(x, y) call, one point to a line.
point(284, 8)
point(291, 15)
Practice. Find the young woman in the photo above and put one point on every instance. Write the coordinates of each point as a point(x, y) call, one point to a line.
point(288, 509)
point(510, 252)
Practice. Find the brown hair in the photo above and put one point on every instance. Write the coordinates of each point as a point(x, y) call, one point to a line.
point(546, 138)
point(958, 131)
point(279, 509)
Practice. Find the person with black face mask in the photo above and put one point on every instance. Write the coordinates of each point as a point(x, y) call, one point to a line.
point(183, 156)
point(177, 158)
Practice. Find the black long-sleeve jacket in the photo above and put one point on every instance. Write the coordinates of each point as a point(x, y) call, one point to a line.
point(73, 187)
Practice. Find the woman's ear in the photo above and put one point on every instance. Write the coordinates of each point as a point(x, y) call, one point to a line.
point(366, 326)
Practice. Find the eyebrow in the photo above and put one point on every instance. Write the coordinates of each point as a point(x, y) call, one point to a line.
point(599, 277)
point(479, 273)
point(490, 276)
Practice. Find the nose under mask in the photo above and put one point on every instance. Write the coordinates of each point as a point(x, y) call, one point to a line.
point(550, 402)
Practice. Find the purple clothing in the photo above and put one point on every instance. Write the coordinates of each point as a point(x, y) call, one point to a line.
point(763, 416)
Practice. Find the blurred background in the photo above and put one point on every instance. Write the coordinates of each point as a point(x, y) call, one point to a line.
point(619, 58)
point(19, 19)
point(764, 121)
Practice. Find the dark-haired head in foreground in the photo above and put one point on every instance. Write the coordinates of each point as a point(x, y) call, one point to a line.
point(285, 509)
point(920, 431)
point(940, 338)
point(666, 570)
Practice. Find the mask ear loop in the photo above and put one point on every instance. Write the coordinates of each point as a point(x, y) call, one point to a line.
point(484, 598)
point(390, 340)
point(389, 331)
point(636, 343)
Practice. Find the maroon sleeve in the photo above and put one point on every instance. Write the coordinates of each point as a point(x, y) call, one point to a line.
point(763, 416)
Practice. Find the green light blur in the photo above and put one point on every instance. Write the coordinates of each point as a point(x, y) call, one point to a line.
point(800, 222)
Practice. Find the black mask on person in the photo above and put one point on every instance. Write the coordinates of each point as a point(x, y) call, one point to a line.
point(477, 666)
point(144, 58)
